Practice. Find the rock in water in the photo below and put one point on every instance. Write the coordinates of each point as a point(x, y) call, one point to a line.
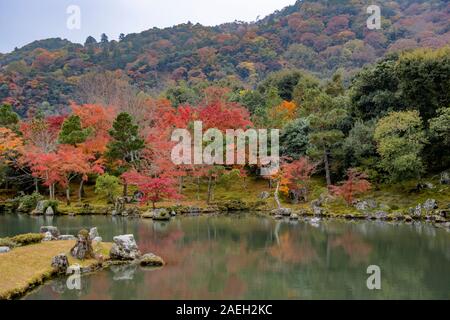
point(124, 248)
point(49, 212)
point(83, 248)
point(60, 263)
point(147, 215)
point(39, 210)
point(161, 215)
point(53, 230)
point(285, 212)
point(93, 233)
point(151, 260)
point(4, 249)
point(379, 215)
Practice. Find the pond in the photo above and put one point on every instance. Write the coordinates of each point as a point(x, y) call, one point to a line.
point(246, 256)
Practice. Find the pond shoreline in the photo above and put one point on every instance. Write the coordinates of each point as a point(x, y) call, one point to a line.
point(18, 278)
point(438, 218)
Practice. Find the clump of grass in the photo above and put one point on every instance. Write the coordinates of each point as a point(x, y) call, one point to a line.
point(7, 242)
point(21, 240)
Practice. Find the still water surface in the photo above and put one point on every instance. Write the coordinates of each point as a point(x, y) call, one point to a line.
point(250, 257)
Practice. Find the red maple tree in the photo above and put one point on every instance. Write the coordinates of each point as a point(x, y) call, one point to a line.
point(356, 183)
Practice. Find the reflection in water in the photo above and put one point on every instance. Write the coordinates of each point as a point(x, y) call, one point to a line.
point(249, 257)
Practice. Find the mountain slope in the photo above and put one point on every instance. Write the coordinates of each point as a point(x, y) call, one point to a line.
point(320, 36)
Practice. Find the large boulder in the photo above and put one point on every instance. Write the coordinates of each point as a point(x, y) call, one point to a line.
point(124, 248)
point(53, 230)
point(151, 260)
point(366, 205)
point(294, 216)
point(97, 239)
point(379, 215)
point(285, 212)
point(430, 205)
point(93, 233)
point(445, 178)
point(48, 237)
point(316, 206)
point(426, 208)
point(132, 211)
point(161, 215)
point(4, 249)
point(83, 247)
point(39, 210)
point(60, 263)
point(49, 211)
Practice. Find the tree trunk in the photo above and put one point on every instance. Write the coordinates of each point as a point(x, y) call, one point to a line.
point(36, 185)
point(81, 190)
point(276, 194)
point(180, 186)
point(125, 190)
point(153, 205)
point(327, 167)
point(209, 190)
point(198, 188)
point(68, 196)
point(50, 192)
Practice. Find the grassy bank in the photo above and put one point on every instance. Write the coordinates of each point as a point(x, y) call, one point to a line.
point(24, 268)
point(396, 198)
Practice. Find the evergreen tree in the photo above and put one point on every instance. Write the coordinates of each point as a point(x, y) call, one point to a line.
point(400, 140)
point(125, 144)
point(8, 118)
point(72, 133)
point(326, 115)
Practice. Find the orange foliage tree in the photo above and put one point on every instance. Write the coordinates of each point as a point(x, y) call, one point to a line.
point(296, 176)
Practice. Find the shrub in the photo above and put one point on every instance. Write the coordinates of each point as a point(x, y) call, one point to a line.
point(7, 242)
point(21, 240)
point(51, 203)
point(108, 186)
point(29, 238)
point(28, 202)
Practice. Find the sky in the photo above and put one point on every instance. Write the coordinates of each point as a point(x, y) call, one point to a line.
point(23, 21)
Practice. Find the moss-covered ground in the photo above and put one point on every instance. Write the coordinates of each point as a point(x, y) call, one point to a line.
point(24, 268)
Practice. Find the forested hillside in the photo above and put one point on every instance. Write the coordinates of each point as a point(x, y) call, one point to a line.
point(321, 36)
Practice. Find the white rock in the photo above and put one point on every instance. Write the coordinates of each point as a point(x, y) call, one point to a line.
point(93, 233)
point(124, 248)
point(53, 230)
point(4, 249)
point(48, 236)
point(97, 239)
point(66, 237)
point(49, 212)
